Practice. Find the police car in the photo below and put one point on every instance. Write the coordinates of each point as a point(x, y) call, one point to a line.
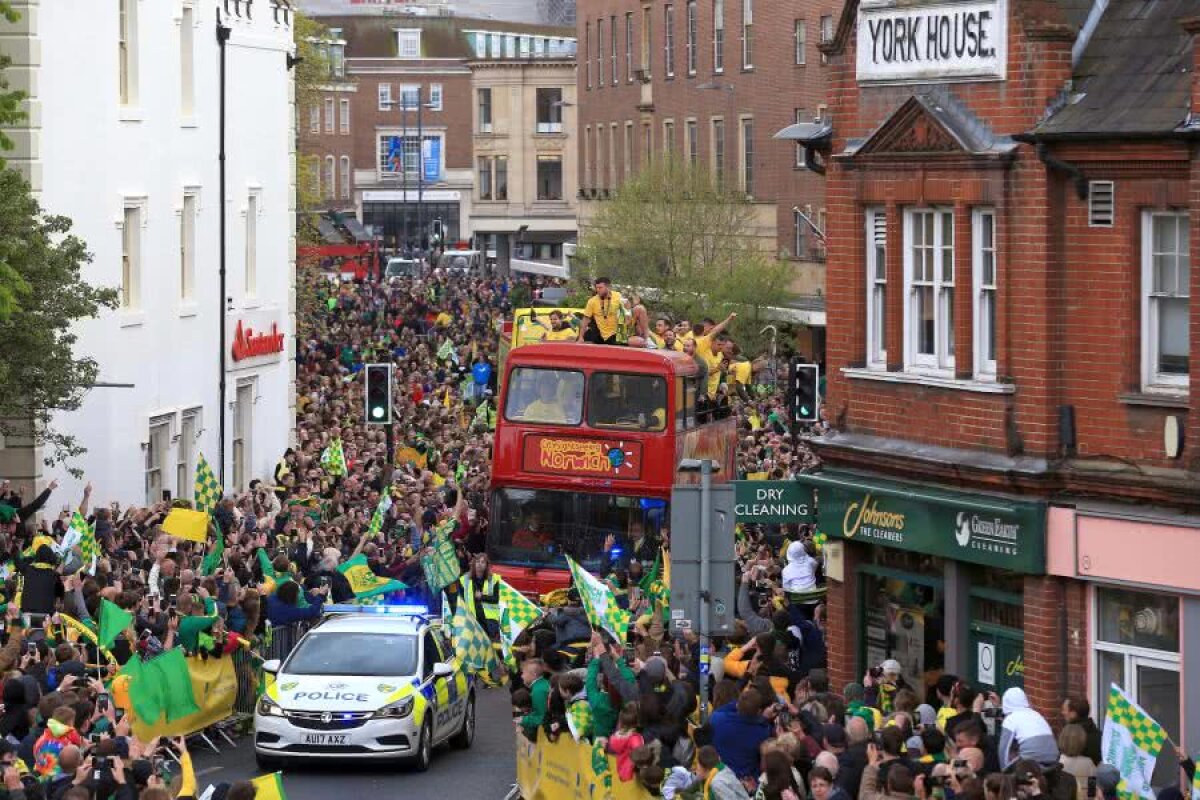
point(381, 683)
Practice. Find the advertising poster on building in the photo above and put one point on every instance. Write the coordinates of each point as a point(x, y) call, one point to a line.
point(431, 158)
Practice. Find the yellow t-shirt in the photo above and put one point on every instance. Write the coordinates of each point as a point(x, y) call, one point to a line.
point(443, 319)
point(713, 360)
point(539, 411)
point(741, 372)
point(658, 340)
point(565, 335)
point(604, 315)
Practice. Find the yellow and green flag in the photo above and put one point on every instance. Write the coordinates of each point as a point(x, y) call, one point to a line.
point(333, 459)
point(366, 583)
point(269, 787)
point(517, 612)
point(599, 602)
point(206, 492)
point(471, 643)
point(1131, 742)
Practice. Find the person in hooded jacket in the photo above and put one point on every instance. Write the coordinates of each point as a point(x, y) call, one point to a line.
point(570, 622)
point(1025, 734)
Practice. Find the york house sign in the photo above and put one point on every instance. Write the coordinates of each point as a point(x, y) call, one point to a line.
point(926, 42)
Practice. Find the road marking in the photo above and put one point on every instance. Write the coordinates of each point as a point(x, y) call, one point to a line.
point(208, 771)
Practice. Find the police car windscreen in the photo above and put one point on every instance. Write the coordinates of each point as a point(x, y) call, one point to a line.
point(354, 654)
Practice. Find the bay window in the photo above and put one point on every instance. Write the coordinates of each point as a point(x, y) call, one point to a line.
point(929, 279)
point(1166, 271)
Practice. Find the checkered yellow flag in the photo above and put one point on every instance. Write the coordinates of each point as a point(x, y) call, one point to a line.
point(1131, 742)
point(517, 612)
point(333, 459)
point(471, 643)
point(207, 492)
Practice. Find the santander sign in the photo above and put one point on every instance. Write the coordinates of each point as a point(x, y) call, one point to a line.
point(248, 344)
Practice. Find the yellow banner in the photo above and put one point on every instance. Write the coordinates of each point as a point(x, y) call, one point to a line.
point(214, 684)
point(409, 455)
point(184, 523)
point(564, 770)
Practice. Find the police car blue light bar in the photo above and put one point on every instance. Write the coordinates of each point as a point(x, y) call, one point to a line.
point(394, 610)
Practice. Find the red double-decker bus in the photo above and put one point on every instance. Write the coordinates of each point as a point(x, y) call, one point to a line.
point(587, 445)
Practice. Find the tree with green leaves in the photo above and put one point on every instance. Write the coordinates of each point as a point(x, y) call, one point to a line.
point(42, 296)
point(311, 73)
point(39, 371)
point(687, 241)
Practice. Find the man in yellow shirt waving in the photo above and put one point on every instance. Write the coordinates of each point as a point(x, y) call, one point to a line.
point(601, 315)
point(712, 356)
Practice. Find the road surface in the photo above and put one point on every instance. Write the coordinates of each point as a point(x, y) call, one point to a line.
point(485, 772)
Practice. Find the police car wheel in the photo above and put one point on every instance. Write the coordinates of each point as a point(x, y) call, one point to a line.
point(466, 736)
point(420, 762)
point(267, 763)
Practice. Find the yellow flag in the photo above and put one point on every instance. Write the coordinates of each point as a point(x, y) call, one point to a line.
point(184, 523)
point(409, 455)
point(269, 787)
point(756, 476)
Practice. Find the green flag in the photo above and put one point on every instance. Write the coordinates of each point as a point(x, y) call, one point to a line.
point(268, 570)
point(161, 686)
point(113, 620)
point(364, 582)
point(599, 602)
point(212, 559)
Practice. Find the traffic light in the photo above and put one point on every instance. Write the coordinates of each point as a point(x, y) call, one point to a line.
point(379, 393)
point(806, 396)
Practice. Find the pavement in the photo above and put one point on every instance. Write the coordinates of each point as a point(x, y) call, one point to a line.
point(485, 772)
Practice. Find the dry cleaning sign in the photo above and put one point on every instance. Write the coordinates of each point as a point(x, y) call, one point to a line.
point(932, 42)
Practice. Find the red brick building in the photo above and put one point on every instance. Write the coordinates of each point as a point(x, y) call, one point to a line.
point(393, 132)
point(712, 81)
point(1014, 200)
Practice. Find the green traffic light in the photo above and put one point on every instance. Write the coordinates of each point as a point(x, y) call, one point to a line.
point(377, 412)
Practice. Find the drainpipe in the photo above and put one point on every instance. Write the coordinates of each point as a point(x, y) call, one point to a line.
point(223, 32)
point(1081, 184)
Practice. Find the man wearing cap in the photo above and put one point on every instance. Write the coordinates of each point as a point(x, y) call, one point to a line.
point(601, 315)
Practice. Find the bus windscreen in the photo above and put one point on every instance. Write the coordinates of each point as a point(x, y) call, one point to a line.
point(547, 396)
point(539, 527)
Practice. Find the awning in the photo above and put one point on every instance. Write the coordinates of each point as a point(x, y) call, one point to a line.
point(329, 232)
point(539, 268)
point(356, 229)
point(989, 529)
point(808, 133)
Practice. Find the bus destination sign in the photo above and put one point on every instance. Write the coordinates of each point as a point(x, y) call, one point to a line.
point(598, 458)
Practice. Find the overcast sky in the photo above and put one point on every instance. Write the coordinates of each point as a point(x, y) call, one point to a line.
point(507, 10)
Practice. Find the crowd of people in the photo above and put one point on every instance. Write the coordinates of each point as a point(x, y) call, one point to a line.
point(776, 728)
point(283, 538)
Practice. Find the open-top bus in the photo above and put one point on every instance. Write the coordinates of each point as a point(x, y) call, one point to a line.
point(587, 446)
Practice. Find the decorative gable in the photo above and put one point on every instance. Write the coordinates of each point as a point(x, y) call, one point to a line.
point(912, 129)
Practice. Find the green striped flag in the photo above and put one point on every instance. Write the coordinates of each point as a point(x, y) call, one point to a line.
point(1131, 743)
point(88, 546)
point(441, 567)
point(206, 492)
point(599, 602)
point(1196, 785)
point(333, 459)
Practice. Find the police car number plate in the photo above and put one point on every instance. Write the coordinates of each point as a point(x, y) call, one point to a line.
point(325, 738)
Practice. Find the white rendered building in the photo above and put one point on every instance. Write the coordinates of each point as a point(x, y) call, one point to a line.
point(124, 138)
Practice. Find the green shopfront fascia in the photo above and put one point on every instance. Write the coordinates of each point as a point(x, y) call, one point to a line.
point(938, 573)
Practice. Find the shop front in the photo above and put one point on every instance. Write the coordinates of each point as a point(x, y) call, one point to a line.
point(933, 578)
point(1142, 602)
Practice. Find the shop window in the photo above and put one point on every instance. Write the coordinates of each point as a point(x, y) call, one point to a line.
point(904, 619)
point(1136, 643)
